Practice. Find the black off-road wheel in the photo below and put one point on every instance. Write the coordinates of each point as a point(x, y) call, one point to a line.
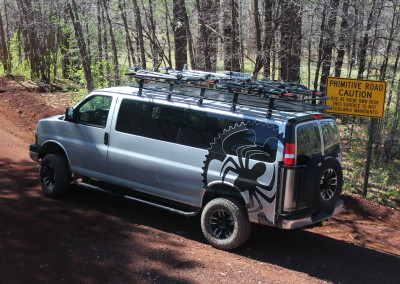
point(54, 175)
point(323, 184)
point(225, 223)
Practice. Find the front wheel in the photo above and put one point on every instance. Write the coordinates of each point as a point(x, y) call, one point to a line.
point(54, 175)
point(225, 223)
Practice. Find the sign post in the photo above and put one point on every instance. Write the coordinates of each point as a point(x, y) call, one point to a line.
point(358, 98)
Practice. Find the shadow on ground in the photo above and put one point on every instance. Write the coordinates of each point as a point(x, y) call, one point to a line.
point(89, 237)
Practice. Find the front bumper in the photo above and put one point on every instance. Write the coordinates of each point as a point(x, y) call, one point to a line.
point(34, 152)
point(304, 220)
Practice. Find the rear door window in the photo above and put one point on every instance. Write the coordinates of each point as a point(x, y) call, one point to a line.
point(309, 143)
point(172, 124)
point(331, 138)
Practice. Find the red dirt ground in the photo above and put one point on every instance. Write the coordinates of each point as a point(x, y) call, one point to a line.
point(87, 237)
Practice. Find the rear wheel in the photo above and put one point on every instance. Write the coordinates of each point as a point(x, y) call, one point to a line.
point(225, 223)
point(54, 175)
point(323, 184)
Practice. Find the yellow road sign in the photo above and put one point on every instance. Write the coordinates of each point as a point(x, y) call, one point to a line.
point(356, 97)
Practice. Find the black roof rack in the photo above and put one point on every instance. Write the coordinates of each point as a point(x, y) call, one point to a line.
point(231, 87)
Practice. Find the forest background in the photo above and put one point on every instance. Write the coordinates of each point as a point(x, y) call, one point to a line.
point(81, 45)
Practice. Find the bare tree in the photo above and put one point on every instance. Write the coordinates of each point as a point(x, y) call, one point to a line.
point(328, 43)
point(231, 36)
point(342, 38)
point(206, 47)
point(73, 12)
point(129, 43)
point(290, 40)
point(139, 30)
point(364, 42)
point(268, 36)
point(4, 51)
point(180, 33)
point(257, 26)
point(113, 44)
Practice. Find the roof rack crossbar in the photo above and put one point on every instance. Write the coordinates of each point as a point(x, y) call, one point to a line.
point(202, 92)
point(233, 88)
point(141, 83)
point(229, 75)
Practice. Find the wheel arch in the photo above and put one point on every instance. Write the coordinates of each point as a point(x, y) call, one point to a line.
point(52, 147)
point(219, 189)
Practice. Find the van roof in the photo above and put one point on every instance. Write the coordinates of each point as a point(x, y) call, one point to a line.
point(258, 109)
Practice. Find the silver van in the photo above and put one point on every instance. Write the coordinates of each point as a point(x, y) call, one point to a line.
point(234, 150)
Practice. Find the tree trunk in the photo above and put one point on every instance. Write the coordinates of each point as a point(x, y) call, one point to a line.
point(328, 44)
point(310, 52)
point(364, 43)
point(393, 27)
point(231, 36)
point(127, 33)
point(180, 34)
point(168, 22)
point(290, 40)
point(156, 49)
point(72, 9)
point(139, 30)
point(392, 82)
point(342, 39)
point(390, 141)
point(190, 41)
point(65, 53)
point(203, 62)
point(100, 55)
point(268, 37)
point(4, 51)
point(375, 40)
point(113, 45)
point(257, 27)
point(320, 49)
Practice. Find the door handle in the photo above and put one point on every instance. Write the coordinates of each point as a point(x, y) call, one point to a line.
point(106, 138)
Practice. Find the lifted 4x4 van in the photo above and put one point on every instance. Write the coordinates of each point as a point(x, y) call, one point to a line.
point(238, 151)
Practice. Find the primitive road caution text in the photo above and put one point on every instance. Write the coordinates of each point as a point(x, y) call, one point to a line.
point(356, 97)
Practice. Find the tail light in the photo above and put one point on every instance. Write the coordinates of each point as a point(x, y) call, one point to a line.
point(289, 154)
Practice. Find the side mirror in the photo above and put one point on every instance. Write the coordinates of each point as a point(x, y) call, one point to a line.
point(69, 114)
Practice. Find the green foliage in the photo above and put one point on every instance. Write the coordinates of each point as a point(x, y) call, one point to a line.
point(99, 73)
point(20, 64)
point(384, 177)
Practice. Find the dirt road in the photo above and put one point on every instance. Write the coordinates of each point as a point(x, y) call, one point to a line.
point(88, 237)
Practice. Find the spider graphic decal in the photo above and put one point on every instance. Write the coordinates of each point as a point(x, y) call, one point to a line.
point(244, 157)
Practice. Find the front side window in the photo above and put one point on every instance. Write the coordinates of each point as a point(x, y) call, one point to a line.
point(308, 143)
point(94, 111)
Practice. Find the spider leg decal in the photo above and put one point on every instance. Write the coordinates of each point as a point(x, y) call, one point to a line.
point(259, 204)
point(245, 154)
point(227, 170)
point(230, 160)
point(269, 199)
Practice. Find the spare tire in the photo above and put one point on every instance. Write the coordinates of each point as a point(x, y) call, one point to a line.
point(322, 184)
